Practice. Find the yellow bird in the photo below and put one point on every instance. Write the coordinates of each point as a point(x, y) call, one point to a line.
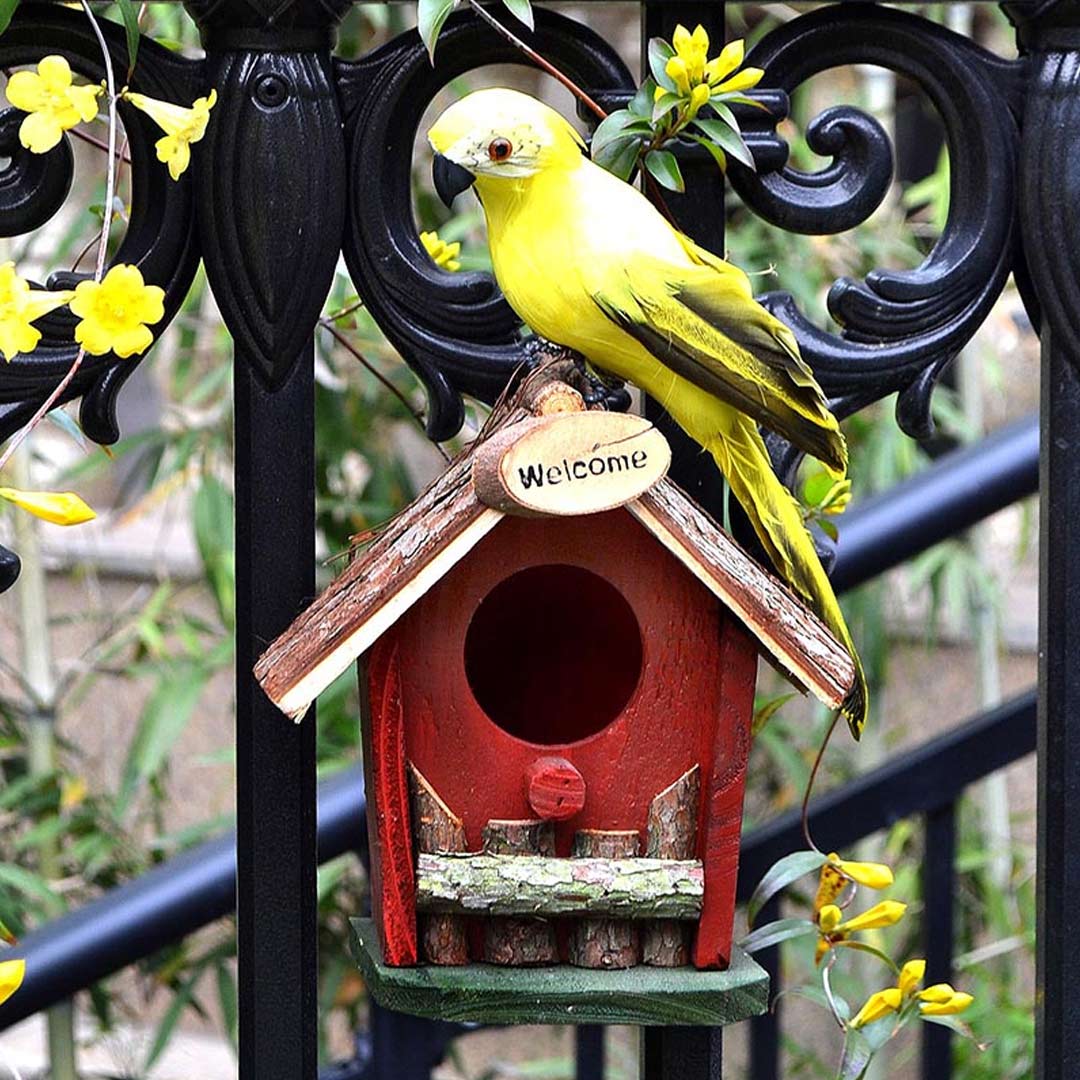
point(587, 262)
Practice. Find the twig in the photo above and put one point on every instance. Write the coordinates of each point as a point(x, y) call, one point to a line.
point(342, 340)
point(88, 138)
point(537, 59)
point(103, 247)
point(810, 783)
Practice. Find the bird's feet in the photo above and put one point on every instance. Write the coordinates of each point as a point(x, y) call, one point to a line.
point(597, 389)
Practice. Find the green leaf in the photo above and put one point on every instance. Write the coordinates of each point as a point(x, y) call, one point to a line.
point(183, 997)
point(766, 712)
point(731, 142)
point(726, 115)
point(227, 997)
point(163, 718)
point(718, 155)
point(430, 16)
point(7, 10)
point(660, 52)
point(522, 11)
point(641, 103)
point(829, 529)
point(664, 105)
point(861, 946)
point(740, 99)
point(29, 884)
point(816, 487)
point(129, 12)
point(764, 937)
point(67, 424)
point(213, 520)
point(620, 157)
point(780, 875)
point(856, 1056)
point(611, 128)
point(664, 167)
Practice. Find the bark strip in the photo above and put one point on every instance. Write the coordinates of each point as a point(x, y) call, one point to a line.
point(516, 942)
point(437, 829)
point(605, 943)
point(672, 834)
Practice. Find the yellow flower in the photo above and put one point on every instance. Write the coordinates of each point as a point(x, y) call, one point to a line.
point(699, 96)
point(692, 49)
point(942, 1000)
point(886, 1001)
point(58, 507)
point(678, 73)
point(442, 253)
point(833, 930)
point(19, 307)
point(730, 58)
point(911, 974)
point(878, 1005)
point(182, 127)
point(746, 79)
point(115, 312)
point(838, 873)
point(12, 973)
point(54, 105)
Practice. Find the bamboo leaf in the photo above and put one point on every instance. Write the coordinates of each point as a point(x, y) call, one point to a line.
point(430, 16)
point(129, 12)
point(7, 10)
point(228, 999)
point(779, 876)
point(764, 937)
point(665, 169)
point(522, 11)
point(29, 884)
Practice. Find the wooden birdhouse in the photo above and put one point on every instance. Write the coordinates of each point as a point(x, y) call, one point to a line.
point(558, 653)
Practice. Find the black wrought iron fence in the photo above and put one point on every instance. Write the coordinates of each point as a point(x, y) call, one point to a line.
point(330, 144)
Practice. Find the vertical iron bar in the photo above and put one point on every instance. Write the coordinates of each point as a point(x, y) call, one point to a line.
point(589, 1052)
point(765, 1030)
point(682, 1053)
point(275, 758)
point(1057, 1043)
point(939, 925)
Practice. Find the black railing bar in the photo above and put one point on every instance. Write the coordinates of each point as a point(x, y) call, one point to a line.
point(190, 890)
point(167, 903)
point(939, 923)
point(921, 780)
point(954, 493)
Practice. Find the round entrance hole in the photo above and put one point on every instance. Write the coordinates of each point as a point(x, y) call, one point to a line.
point(553, 654)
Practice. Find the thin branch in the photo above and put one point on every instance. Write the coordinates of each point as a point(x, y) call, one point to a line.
point(810, 783)
point(537, 59)
point(342, 340)
point(86, 137)
point(103, 245)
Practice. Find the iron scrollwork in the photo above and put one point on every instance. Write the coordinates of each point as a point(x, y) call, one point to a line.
point(899, 328)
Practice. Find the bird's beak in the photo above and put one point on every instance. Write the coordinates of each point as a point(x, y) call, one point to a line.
point(450, 179)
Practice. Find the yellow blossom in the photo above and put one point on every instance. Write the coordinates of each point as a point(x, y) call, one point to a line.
point(12, 973)
point(838, 873)
point(833, 930)
point(52, 103)
point(692, 49)
point(58, 507)
point(115, 312)
point(699, 96)
point(19, 307)
point(942, 1000)
point(182, 127)
point(442, 253)
point(678, 73)
point(878, 1005)
point(746, 79)
point(730, 58)
point(911, 974)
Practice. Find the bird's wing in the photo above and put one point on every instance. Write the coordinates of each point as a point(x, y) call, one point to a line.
point(703, 323)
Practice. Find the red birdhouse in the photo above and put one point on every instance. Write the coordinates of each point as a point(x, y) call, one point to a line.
point(559, 653)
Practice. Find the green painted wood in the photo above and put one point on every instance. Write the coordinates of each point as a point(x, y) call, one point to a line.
point(563, 994)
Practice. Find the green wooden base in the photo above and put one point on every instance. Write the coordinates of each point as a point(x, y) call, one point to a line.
point(563, 995)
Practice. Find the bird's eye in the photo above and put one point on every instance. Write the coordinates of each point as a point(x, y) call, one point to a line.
point(500, 149)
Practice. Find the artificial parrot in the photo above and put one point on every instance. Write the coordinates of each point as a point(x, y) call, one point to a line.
point(588, 262)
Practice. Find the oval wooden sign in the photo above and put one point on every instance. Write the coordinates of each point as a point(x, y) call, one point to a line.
point(576, 463)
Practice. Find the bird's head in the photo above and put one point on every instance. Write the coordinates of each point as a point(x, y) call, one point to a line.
point(495, 135)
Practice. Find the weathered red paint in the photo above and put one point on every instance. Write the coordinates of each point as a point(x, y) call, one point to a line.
point(393, 884)
point(691, 703)
point(556, 789)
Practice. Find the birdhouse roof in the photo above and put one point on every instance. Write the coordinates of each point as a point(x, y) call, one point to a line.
point(422, 544)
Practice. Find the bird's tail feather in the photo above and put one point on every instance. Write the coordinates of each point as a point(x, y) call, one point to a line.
point(741, 456)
